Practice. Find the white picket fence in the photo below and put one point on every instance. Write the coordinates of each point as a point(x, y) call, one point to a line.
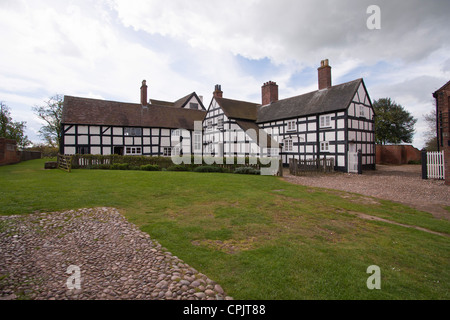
point(435, 165)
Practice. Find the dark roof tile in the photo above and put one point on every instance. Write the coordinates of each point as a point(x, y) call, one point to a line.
point(321, 101)
point(87, 111)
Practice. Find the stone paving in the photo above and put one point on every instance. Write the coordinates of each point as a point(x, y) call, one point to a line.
point(92, 254)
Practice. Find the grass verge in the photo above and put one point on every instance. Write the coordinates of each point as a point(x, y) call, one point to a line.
point(258, 236)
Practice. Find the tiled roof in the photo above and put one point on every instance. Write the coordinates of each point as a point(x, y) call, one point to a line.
point(321, 101)
point(236, 109)
point(87, 111)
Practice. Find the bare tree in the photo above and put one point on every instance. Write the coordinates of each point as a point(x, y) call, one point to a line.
point(430, 134)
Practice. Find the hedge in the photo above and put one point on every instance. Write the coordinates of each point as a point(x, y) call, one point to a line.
point(89, 161)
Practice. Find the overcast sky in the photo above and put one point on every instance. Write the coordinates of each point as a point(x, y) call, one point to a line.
point(105, 48)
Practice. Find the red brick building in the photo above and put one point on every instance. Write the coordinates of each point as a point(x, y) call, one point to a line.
point(442, 97)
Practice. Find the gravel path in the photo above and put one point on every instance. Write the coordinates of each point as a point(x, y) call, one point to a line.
point(402, 184)
point(115, 259)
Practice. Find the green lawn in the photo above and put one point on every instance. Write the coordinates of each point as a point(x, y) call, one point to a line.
point(258, 236)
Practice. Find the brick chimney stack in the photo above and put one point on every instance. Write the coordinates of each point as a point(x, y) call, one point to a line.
point(218, 91)
point(324, 75)
point(269, 92)
point(144, 93)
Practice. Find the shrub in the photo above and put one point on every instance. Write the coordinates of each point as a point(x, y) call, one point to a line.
point(177, 168)
point(208, 169)
point(150, 167)
point(120, 166)
point(247, 170)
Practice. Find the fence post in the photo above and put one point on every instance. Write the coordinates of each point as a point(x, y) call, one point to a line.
point(359, 161)
point(424, 164)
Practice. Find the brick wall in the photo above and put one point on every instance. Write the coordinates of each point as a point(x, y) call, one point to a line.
point(396, 154)
point(8, 152)
point(442, 97)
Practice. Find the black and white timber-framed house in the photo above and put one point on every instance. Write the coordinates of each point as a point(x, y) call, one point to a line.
point(152, 128)
point(333, 122)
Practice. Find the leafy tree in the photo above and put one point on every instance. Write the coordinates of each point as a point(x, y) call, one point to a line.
point(10, 129)
point(51, 113)
point(393, 124)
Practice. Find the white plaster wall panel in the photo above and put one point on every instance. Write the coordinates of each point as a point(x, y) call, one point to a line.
point(155, 132)
point(117, 131)
point(107, 131)
point(128, 141)
point(147, 141)
point(83, 129)
point(351, 135)
point(312, 126)
point(155, 140)
point(351, 109)
point(155, 150)
point(96, 150)
point(94, 130)
point(165, 132)
point(106, 151)
point(69, 150)
point(330, 136)
point(137, 141)
point(309, 149)
point(311, 137)
point(341, 148)
point(340, 135)
point(302, 127)
point(118, 141)
point(71, 130)
point(69, 139)
point(83, 140)
point(361, 93)
point(341, 161)
point(106, 140)
point(146, 131)
point(165, 142)
point(147, 150)
point(95, 139)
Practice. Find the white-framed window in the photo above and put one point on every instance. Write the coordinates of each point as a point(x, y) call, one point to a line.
point(176, 151)
point(325, 121)
point(288, 145)
point(133, 150)
point(220, 122)
point(292, 125)
point(167, 151)
point(209, 124)
point(176, 133)
point(324, 146)
point(361, 111)
point(197, 141)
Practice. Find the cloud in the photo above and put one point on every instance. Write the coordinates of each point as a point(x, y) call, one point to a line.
point(106, 48)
